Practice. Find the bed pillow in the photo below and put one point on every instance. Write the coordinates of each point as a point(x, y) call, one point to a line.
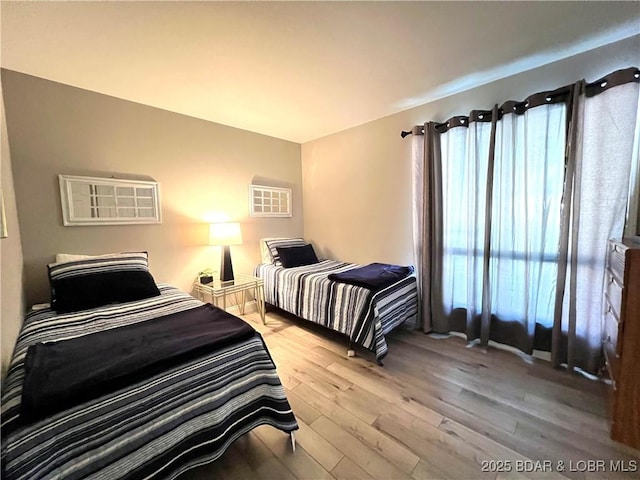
point(102, 280)
point(282, 242)
point(71, 257)
point(265, 253)
point(297, 256)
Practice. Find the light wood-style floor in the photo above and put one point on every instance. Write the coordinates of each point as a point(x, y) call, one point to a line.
point(437, 409)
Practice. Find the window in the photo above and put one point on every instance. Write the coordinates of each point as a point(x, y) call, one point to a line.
point(108, 201)
point(526, 195)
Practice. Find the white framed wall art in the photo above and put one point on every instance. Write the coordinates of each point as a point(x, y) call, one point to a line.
point(108, 201)
point(269, 201)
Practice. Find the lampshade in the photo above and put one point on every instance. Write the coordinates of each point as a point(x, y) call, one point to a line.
point(225, 234)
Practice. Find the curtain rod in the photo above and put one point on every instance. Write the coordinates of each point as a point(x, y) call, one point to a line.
point(618, 77)
point(417, 130)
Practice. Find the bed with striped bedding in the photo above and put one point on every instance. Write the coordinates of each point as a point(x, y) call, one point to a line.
point(365, 316)
point(156, 428)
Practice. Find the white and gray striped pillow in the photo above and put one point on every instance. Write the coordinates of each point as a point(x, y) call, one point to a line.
point(274, 244)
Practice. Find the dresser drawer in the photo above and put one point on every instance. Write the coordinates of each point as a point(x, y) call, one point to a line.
point(613, 293)
point(612, 361)
point(615, 260)
point(612, 331)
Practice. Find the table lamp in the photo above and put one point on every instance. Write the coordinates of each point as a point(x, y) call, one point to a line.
point(224, 235)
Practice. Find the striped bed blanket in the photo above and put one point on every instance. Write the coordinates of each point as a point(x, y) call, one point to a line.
point(365, 316)
point(159, 427)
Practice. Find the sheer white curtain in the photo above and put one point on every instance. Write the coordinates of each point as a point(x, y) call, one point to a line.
point(420, 241)
point(633, 211)
point(526, 193)
point(465, 153)
point(607, 126)
point(528, 183)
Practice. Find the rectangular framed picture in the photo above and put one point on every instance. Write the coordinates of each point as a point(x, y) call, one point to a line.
point(108, 201)
point(269, 201)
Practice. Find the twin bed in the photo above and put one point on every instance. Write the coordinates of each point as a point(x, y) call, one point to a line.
point(363, 307)
point(169, 415)
point(148, 382)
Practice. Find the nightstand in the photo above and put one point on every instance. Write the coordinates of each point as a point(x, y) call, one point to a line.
point(218, 291)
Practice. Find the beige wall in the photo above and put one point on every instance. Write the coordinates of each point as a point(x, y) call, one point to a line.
point(357, 183)
point(203, 168)
point(11, 292)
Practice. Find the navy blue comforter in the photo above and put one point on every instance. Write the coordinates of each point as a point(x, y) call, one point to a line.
point(374, 276)
point(68, 372)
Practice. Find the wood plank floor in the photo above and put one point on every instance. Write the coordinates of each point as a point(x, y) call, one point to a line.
point(437, 409)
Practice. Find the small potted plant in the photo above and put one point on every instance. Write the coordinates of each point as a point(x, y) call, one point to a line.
point(206, 276)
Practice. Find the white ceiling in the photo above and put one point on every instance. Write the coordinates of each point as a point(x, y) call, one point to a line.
point(297, 70)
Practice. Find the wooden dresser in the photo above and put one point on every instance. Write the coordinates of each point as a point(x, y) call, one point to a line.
point(621, 337)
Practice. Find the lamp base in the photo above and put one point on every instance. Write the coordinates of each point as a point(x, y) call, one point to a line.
point(226, 268)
